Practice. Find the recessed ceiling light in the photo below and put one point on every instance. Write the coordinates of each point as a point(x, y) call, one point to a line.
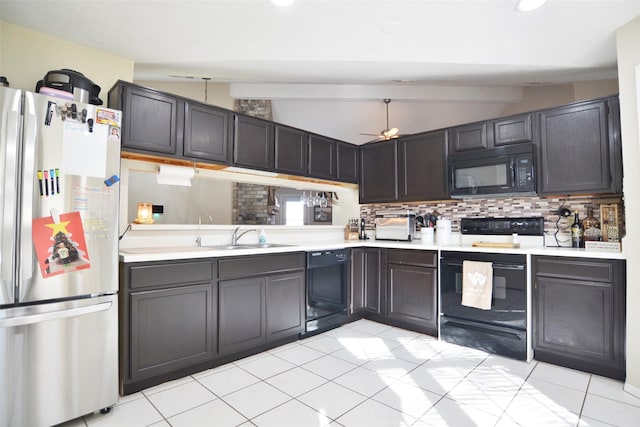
point(529, 5)
point(283, 3)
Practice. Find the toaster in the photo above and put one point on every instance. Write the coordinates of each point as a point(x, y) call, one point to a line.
point(395, 225)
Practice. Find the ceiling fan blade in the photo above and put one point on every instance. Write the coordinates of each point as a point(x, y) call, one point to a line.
point(370, 134)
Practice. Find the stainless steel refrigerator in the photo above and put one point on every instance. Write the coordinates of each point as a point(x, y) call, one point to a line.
point(59, 166)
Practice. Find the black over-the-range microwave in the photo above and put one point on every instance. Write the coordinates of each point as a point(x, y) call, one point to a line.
point(508, 170)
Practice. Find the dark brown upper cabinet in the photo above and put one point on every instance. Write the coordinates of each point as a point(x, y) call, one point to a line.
point(149, 119)
point(322, 157)
point(161, 124)
point(379, 172)
point(253, 145)
point(579, 149)
point(206, 132)
point(347, 162)
point(513, 130)
point(469, 137)
point(290, 150)
point(423, 166)
point(492, 133)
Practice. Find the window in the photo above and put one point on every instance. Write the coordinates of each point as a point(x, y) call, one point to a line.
point(294, 212)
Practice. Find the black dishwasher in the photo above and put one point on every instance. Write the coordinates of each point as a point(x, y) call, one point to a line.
point(327, 277)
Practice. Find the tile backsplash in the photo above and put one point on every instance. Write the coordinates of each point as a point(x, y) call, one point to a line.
point(504, 207)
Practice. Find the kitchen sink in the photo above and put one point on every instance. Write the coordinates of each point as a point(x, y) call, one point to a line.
point(169, 249)
point(160, 250)
point(248, 246)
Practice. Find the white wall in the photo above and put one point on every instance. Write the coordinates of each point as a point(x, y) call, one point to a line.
point(216, 93)
point(628, 38)
point(345, 119)
point(26, 56)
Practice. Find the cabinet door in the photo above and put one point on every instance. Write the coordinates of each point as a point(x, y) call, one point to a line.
point(423, 167)
point(347, 162)
point(206, 132)
point(574, 149)
point(149, 120)
point(356, 280)
point(285, 296)
point(253, 143)
point(513, 130)
point(322, 157)
point(579, 314)
point(468, 137)
point(290, 150)
point(412, 296)
point(171, 329)
point(374, 282)
point(242, 317)
point(379, 172)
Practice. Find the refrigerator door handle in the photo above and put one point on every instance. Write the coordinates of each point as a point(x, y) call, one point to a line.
point(11, 106)
point(54, 315)
point(28, 177)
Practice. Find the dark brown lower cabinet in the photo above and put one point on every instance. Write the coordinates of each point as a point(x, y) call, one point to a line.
point(242, 314)
point(367, 283)
point(170, 329)
point(266, 305)
point(168, 321)
point(184, 316)
point(285, 304)
point(395, 287)
point(579, 314)
point(412, 290)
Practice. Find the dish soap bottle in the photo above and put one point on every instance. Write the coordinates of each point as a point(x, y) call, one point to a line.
point(262, 239)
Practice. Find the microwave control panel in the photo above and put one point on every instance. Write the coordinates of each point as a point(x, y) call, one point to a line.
point(524, 173)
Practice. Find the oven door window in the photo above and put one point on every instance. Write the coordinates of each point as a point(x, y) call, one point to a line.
point(509, 299)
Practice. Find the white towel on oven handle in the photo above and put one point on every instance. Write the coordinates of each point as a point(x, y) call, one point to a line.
point(477, 284)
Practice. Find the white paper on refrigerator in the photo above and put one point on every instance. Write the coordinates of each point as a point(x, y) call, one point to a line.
point(83, 152)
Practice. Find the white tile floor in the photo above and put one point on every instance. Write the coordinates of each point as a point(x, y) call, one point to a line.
point(365, 375)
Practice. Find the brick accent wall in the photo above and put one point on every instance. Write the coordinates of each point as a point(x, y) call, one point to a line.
point(260, 108)
point(250, 203)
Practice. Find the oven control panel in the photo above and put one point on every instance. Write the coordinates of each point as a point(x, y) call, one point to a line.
point(526, 226)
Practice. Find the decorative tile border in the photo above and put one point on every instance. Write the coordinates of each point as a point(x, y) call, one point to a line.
point(506, 207)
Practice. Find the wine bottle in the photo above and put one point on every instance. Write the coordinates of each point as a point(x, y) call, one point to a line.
point(577, 232)
point(591, 227)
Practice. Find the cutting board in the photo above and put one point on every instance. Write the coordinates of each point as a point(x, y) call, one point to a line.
point(495, 245)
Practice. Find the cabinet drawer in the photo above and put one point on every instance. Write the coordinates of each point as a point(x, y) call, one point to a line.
point(575, 268)
point(145, 275)
point(412, 257)
point(257, 265)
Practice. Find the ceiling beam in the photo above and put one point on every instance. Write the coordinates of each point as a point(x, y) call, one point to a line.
point(406, 92)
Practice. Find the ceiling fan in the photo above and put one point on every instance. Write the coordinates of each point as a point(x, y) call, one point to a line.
point(387, 133)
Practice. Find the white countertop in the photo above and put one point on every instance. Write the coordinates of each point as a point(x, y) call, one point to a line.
point(185, 252)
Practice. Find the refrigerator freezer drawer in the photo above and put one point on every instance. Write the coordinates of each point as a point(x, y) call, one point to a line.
point(59, 361)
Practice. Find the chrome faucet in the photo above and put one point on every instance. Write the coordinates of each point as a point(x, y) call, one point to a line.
point(235, 236)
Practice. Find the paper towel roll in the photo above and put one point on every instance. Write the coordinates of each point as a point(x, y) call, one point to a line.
point(443, 231)
point(175, 175)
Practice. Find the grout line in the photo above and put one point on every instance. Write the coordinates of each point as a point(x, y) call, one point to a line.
point(584, 399)
point(157, 410)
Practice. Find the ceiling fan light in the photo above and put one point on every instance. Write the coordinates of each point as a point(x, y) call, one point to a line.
point(393, 131)
point(529, 5)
